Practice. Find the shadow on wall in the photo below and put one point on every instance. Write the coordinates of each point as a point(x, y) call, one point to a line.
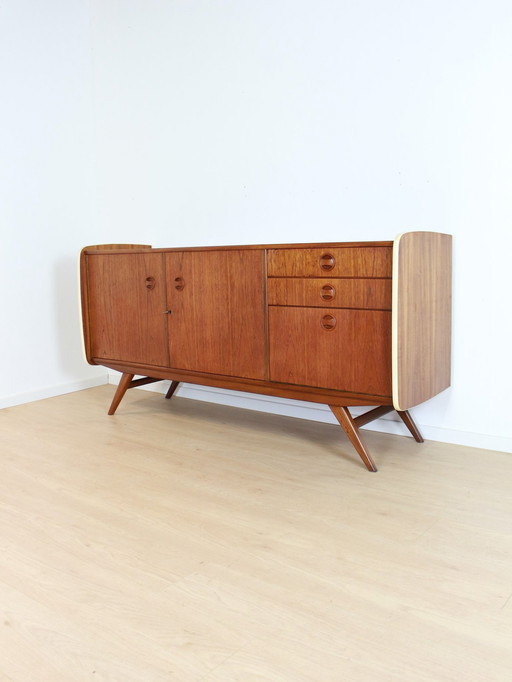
point(68, 322)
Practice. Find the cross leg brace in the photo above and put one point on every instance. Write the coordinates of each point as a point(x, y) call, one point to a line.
point(127, 381)
point(351, 427)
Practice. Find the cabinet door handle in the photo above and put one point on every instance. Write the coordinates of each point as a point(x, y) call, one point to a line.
point(328, 322)
point(150, 282)
point(179, 283)
point(327, 261)
point(327, 292)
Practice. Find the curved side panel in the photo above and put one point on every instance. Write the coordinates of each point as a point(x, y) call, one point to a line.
point(421, 318)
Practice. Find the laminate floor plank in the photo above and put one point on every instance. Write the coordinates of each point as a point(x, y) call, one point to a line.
point(179, 540)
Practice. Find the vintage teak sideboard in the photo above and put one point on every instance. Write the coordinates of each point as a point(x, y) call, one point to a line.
point(345, 324)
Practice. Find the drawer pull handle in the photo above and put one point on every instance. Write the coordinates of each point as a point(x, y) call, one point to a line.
point(150, 283)
point(179, 283)
point(328, 322)
point(327, 292)
point(327, 262)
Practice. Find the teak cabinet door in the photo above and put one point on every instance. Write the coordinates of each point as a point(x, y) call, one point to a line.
point(348, 350)
point(217, 319)
point(126, 304)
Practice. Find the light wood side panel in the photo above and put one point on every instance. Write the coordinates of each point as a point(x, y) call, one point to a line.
point(421, 324)
point(338, 293)
point(349, 261)
point(117, 247)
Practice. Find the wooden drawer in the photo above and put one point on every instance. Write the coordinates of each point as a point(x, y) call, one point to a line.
point(348, 350)
point(339, 293)
point(358, 261)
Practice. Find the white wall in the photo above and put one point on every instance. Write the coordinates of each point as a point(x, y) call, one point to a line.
point(46, 194)
point(286, 121)
point(302, 120)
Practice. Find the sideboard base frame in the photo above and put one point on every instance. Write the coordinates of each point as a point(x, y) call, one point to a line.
point(350, 424)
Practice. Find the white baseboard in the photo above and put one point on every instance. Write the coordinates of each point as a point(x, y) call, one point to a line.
point(52, 391)
point(321, 413)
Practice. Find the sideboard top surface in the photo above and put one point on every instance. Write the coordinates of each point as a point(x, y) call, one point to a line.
point(126, 248)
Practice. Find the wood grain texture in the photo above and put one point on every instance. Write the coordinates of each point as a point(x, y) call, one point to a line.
point(217, 323)
point(131, 555)
point(117, 247)
point(84, 290)
point(421, 317)
point(372, 415)
point(348, 425)
point(348, 261)
point(264, 387)
point(125, 317)
point(127, 381)
point(335, 292)
point(122, 387)
point(319, 328)
point(354, 356)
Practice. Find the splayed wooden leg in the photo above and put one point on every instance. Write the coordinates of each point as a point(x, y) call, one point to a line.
point(127, 381)
point(172, 388)
point(409, 422)
point(123, 386)
point(348, 424)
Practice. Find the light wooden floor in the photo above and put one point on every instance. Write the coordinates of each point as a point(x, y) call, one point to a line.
point(180, 541)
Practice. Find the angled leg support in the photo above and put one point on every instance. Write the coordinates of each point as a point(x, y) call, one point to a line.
point(371, 415)
point(409, 422)
point(127, 381)
point(351, 428)
point(122, 387)
point(172, 388)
